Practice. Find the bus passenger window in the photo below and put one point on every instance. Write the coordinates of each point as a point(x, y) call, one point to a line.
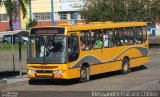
point(108, 38)
point(73, 48)
point(83, 45)
point(144, 34)
point(129, 36)
point(97, 36)
point(119, 37)
point(138, 35)
point(85, 40)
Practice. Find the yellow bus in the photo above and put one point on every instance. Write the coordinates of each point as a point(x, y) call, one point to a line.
point(81, 50)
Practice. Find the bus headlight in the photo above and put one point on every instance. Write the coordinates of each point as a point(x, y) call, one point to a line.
point(58, 71)
point(31, 71)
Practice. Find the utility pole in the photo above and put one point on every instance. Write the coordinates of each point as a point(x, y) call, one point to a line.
point(14, 68)
point(30, 9)
point(52, 12)
point(75, 17)
point(20, 55)
point(20, 40)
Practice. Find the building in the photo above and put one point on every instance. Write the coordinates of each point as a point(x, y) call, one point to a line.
point(64, 11)
point(3, 19)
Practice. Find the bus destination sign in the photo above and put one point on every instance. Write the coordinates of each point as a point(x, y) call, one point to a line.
point(47, 31)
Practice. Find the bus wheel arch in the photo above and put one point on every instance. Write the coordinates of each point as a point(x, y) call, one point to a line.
point(85, 73)
point(125, 65)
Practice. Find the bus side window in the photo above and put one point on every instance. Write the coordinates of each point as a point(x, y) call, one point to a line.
point(119, 37)
point(73, 48)
point(108, 38)
point(138, 35)
point(129, 36)
point(144, 34)
point(97, 36)
point(85, 40)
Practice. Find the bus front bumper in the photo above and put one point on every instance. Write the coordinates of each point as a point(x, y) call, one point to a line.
point(45, 74)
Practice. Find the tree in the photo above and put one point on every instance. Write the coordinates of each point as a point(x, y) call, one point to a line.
point(31, 23)
point(155, 8)
point(120, 10)
point(12, 8)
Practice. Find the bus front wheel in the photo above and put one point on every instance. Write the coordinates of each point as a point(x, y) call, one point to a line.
point(125, 66)
point(84, 74)
point(31, 81)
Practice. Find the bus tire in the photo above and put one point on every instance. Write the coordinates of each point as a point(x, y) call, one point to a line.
point(31, 81)
point(125, 66)
point(84, 74)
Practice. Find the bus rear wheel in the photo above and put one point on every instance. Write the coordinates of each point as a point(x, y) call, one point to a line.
point(125, 66)
point(84, 74)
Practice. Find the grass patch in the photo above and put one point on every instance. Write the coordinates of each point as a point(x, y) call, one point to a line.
point(9, 47)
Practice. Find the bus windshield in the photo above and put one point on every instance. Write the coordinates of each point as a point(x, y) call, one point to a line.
point(47, 49)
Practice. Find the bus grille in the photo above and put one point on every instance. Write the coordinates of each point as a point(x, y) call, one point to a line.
point(40, 76)
point(44, 71)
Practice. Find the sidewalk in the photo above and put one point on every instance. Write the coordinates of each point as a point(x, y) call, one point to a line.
point(12, 79)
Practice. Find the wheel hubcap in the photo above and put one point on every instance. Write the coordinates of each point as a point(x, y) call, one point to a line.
point(83, 74)
point(125, 67)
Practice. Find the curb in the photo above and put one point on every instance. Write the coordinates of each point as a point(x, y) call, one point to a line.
point(3, 87)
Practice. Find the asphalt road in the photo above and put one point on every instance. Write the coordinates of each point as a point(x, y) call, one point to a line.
point(146, 77)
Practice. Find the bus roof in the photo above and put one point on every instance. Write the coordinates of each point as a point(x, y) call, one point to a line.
point(105, 25)
point(97, 25)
